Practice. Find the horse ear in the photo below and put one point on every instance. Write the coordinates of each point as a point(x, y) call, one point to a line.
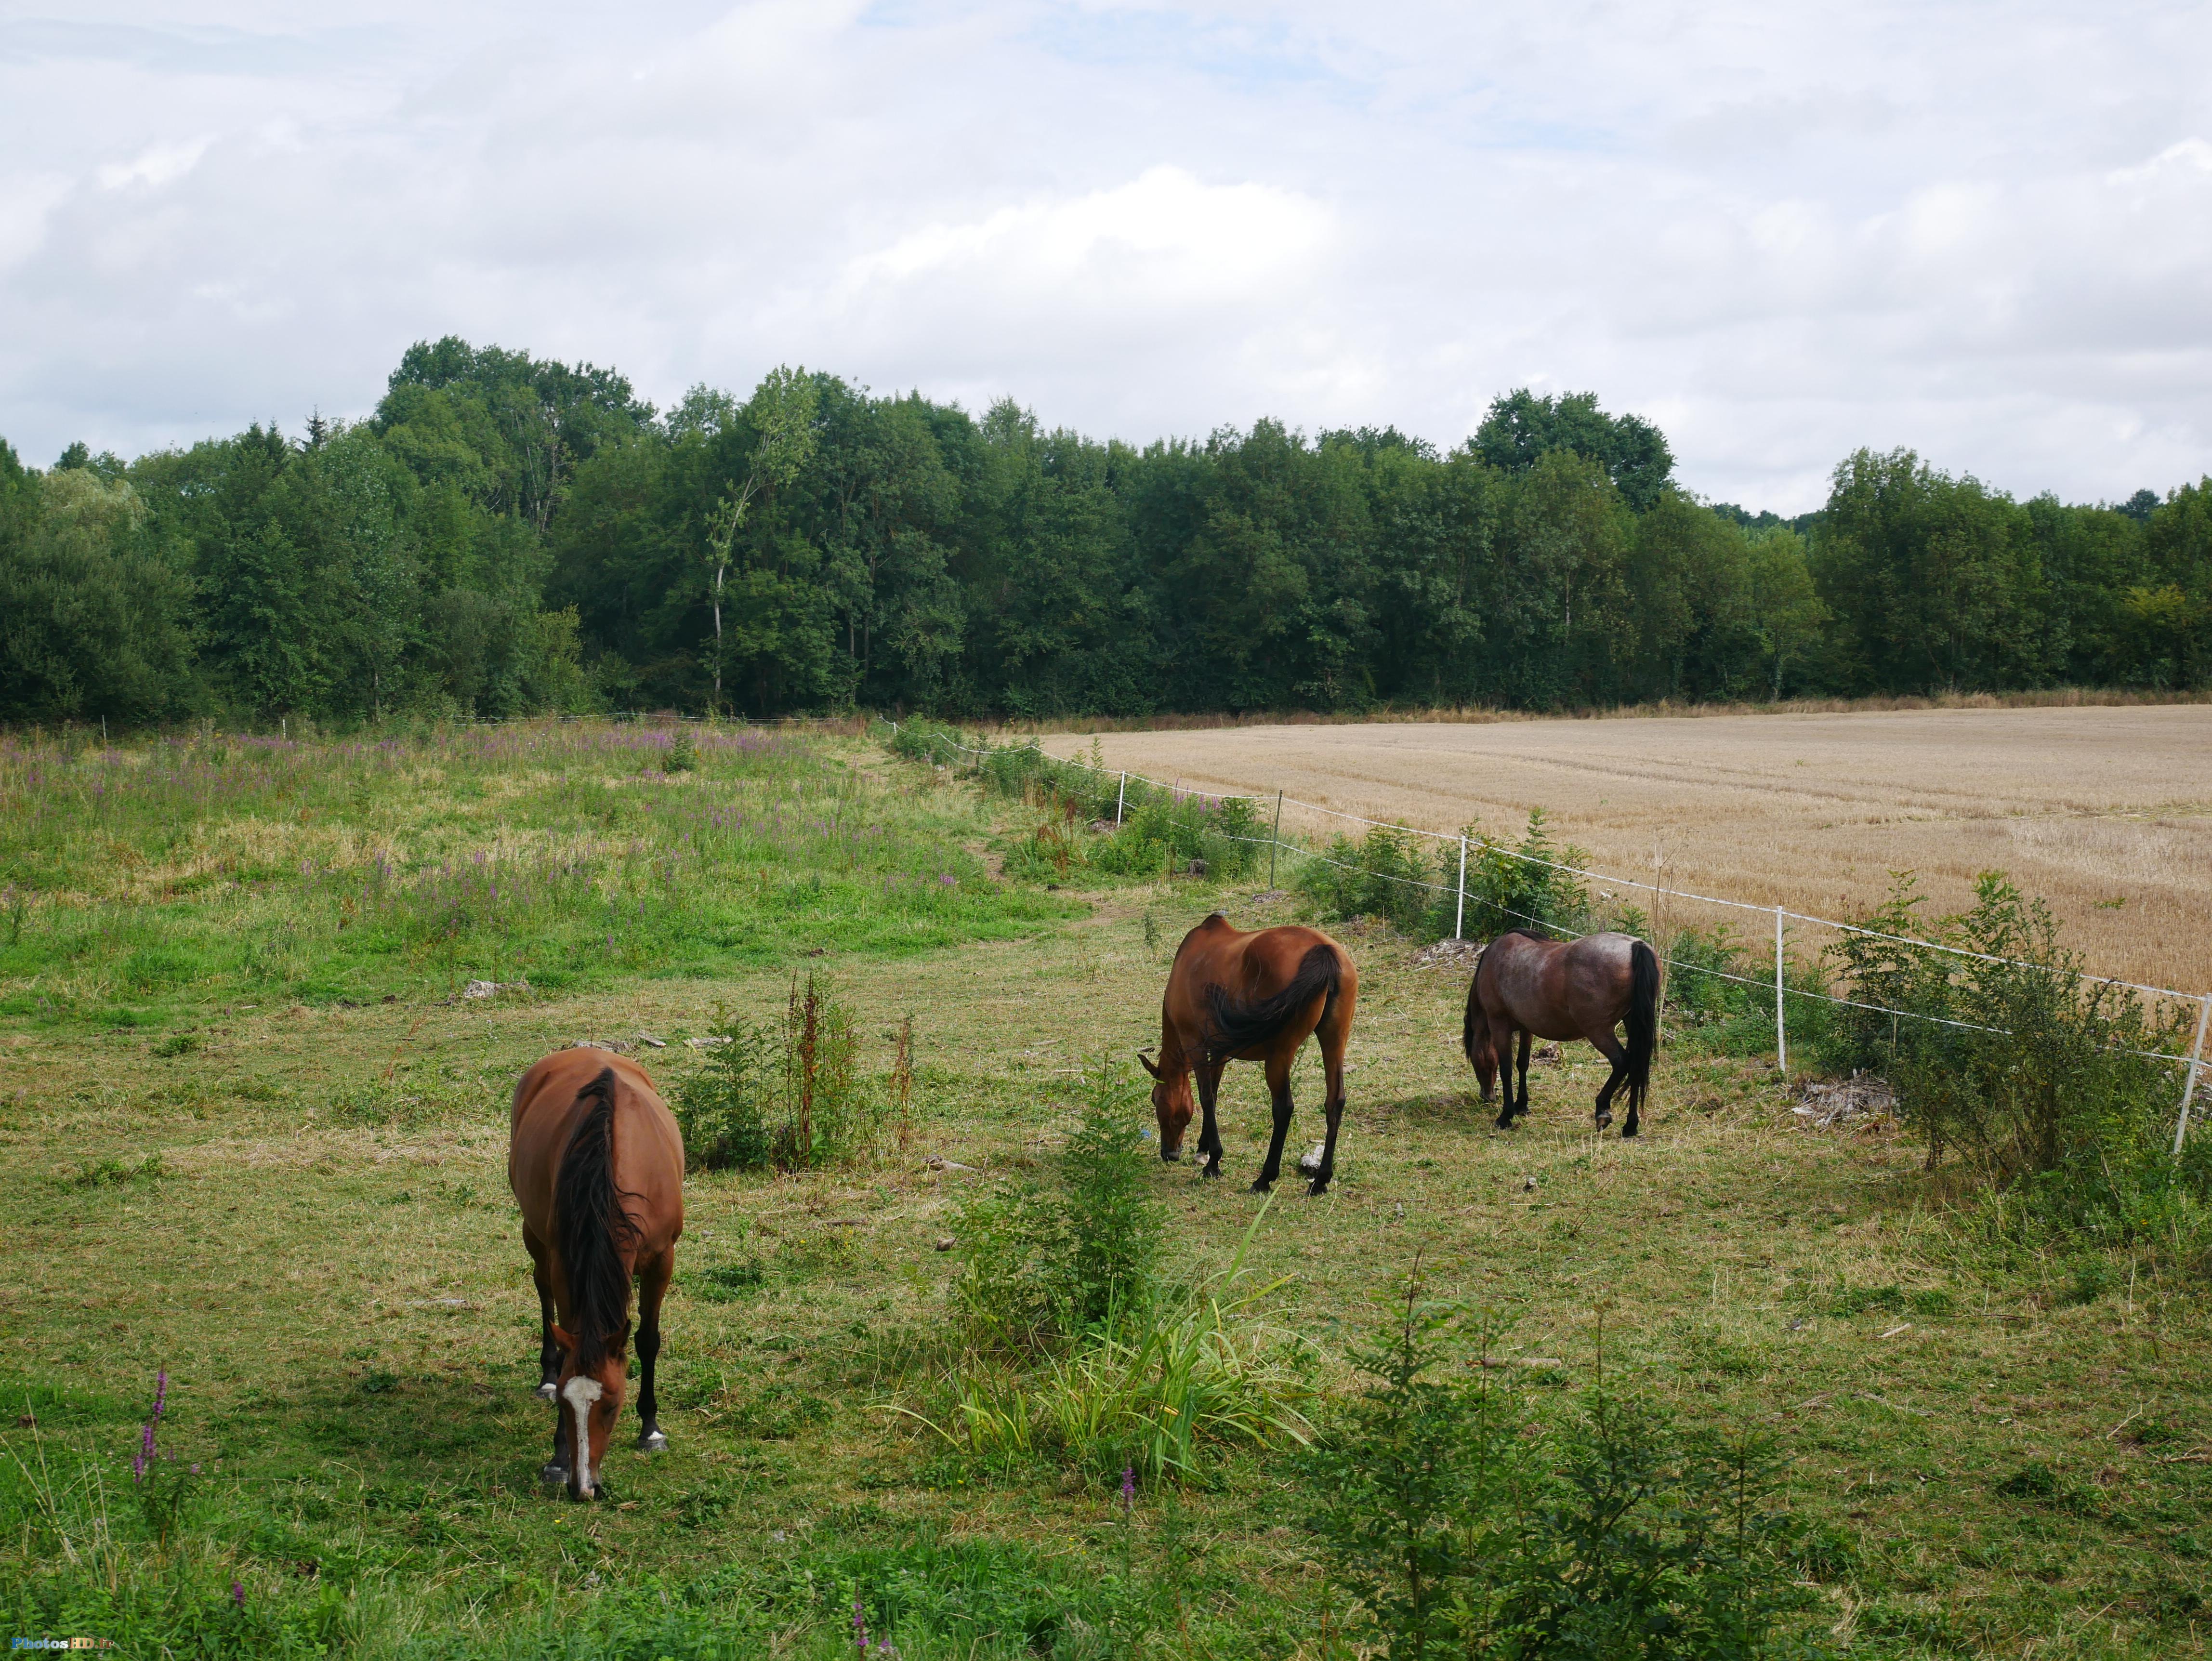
point(562, 1338)
point(1145, 1061)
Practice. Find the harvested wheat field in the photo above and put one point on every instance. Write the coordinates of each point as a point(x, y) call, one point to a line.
point(2106, 812)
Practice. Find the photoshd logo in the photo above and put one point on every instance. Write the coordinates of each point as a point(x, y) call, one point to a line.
point(64, 1643)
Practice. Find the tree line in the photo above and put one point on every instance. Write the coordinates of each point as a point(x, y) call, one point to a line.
point(506, 535)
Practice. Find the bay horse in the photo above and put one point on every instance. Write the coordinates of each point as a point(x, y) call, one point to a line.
point(1234, 996)
point(1525, 984)
point(596, 1162)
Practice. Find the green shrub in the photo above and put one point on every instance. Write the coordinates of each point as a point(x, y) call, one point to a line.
point(1042, 1264)
point(1412, 881)
point(1467, 1519)
point(2030, 1074)
point(789, 1096)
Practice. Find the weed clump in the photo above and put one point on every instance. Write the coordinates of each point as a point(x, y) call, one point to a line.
point(788, 1096)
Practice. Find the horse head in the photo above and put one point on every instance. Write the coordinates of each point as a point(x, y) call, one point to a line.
point(591, 1390)
point(1171, 1104)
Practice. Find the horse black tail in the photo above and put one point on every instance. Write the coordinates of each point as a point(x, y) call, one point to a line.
point(594, 1229)
point(1473, 1010)
point(1643, 1021)
point(1238, 1025)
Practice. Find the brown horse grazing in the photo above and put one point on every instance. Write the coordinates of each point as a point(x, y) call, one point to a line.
point(1234, 996)
point(1524, 983)
point(596, 1162)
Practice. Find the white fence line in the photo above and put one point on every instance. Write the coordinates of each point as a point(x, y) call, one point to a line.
point(2192, 1062)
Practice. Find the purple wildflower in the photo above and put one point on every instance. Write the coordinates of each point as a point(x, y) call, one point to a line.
point(1128, 1489)
point(860, 1628)
point(238, 1594)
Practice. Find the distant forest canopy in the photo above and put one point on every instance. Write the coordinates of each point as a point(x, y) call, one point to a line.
point(506, 535)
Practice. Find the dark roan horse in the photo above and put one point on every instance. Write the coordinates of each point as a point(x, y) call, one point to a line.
point(596, 1162)
point(1526, 984)
point(1257, 997)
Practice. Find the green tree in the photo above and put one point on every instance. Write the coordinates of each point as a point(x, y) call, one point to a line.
point(93, 622)
point(1521, 429)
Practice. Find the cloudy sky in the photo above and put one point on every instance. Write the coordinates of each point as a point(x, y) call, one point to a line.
point(1782, 231)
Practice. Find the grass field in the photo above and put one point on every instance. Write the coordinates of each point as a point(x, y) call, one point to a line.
point(278, 1171)
point(2105, 811)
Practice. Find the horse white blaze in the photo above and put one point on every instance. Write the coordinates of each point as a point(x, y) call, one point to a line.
point(580, 1393)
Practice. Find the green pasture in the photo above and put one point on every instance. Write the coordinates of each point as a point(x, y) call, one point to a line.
point(251, 1132)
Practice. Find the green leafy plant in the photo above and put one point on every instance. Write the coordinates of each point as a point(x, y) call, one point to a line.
point(2038, 1081)
point(1469, 1518)
point(1043, 1264)
point(789, 1096)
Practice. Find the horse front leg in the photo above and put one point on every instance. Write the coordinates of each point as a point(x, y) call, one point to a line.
point(1500, 1054)
point(1208, 1071)
point(653, 1278)
point(1525, 1037)
point(1279, 1095)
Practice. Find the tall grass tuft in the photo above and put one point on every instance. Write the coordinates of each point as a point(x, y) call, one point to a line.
point(1078, 1352)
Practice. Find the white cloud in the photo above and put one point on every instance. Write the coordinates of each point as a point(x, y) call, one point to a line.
point(157, 165)
point(1784, 231)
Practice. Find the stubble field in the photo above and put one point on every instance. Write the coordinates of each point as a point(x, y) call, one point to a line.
point(2105, 813)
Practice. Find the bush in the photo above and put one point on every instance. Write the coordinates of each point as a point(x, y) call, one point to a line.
point(2010, 1059)
point(1157, 832)
point(789, 1097)
point(1042, 1265)
point(1467, 1519)
point(1389, 873)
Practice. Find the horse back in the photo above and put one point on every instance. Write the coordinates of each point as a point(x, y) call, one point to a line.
point(1246, 966)
point(1556, 989)
point(648, 1147)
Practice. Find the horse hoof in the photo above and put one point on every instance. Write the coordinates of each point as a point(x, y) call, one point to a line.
point(1603, 1120)
point(1262, 1184)
point(554, 1475)
point(547, 1391)
point(1212, 1173)
point(1627, 1131)
point(652, 1441)
point(1317, 1188)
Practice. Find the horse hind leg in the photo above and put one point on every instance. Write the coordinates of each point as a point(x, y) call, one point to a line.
point(1610, 1048)
point(1279, 1097)
point(1333, 1034)
point(654, 1275)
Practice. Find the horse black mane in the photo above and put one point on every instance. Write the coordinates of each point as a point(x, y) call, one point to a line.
point(594, 1229)
point(1535, 931)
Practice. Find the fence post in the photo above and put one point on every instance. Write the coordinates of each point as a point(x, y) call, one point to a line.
point(2196, 1060)
point(1781, 1031)
point(1121, 795)
point(1273, 838)
point(1459, 917)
